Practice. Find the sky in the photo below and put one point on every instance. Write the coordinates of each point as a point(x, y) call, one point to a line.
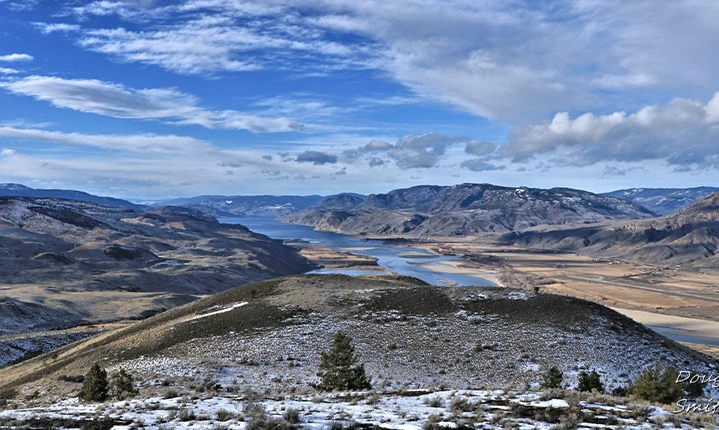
point(151, 99)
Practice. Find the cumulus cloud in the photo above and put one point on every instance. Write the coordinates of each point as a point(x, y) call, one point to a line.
point(409, 152)
point(119, 101)
point(683, 133)
point(267, 157)
point(8, 71)
point(476, 147)
point(376, 162)
point(7, 152)
point(479, 165)
point(16, 57)
point(316, 157)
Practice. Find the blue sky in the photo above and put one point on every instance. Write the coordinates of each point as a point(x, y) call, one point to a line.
point(149, 99)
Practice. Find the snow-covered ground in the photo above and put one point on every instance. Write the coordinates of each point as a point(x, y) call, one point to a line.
point(399, 410)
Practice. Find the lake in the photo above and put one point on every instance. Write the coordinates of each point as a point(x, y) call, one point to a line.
point(388, 256)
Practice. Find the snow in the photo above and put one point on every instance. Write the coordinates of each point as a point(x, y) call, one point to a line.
point(223, 310)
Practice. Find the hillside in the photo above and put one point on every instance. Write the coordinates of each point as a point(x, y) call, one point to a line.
point(64, 263)
point(465, 210)
point(17, 190)
point(688, 237)
point(267, 338)
point(663, 201)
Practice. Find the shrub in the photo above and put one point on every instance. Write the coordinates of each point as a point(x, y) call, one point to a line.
point(186, 415)
point(292, 416)
point(553, 378)
point(122, 385)
point(460, 404)
point(434, 402)
point(94, 389)
point(254, 410)
point(338, 370)
point(657, 384)
point(590, 381)
point(171, 394)
point(223, 415)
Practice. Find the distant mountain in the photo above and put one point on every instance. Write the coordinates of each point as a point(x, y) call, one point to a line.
point(463, 210)
point(244, 205)
point(663, 201)
point(17, 190)
point(687, 237)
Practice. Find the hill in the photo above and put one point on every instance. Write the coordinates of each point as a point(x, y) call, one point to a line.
point(65, 263)
point(412, 338)
point(688, 237)
point(17, 190)
point(663, 201)
point(464, 209)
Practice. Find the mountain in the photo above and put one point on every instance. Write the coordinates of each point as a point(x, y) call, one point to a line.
point(689, 237)
point(17, 190)
point(244, 205)
point(464, 209)
point(663, 201)
point(66, 263)
point(268, 337)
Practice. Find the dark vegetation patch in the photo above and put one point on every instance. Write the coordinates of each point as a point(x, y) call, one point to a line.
point(127, 253)
point(417, 301)
point(69, 217)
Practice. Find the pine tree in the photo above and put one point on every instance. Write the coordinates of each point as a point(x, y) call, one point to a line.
point(657, 384)
point(94, 389)
point(590, 381)
point(553, 378)
point(122, 385)
point(338, 370)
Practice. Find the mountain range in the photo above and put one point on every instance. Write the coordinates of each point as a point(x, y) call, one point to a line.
point(464, 209)
point(17, 190)
point(663, 201)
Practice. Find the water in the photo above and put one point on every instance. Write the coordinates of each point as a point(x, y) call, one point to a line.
point(680, 335)
point(388, 256)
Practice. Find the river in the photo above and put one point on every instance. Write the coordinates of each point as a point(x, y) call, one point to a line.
point(393, 258)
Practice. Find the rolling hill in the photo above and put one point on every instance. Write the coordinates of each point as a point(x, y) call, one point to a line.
point(65, 263)
point(464, 209)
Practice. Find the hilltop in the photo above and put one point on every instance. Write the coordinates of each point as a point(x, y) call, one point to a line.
point(464, 209)
point(66, 263)
point(687, 237)
point(267, 337)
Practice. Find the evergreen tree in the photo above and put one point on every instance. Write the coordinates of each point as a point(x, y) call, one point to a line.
point(338, 370)
point(590, 381)
point(94, 389)
point(553, 378)
point(656, 384)
point(122, 385)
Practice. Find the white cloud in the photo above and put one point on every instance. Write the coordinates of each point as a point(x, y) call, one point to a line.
point(47, 28)
point(8, 71)
point(16, 57)
point(7, 152)
point(134, 143)
point(683, 133)
point(118, 101)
